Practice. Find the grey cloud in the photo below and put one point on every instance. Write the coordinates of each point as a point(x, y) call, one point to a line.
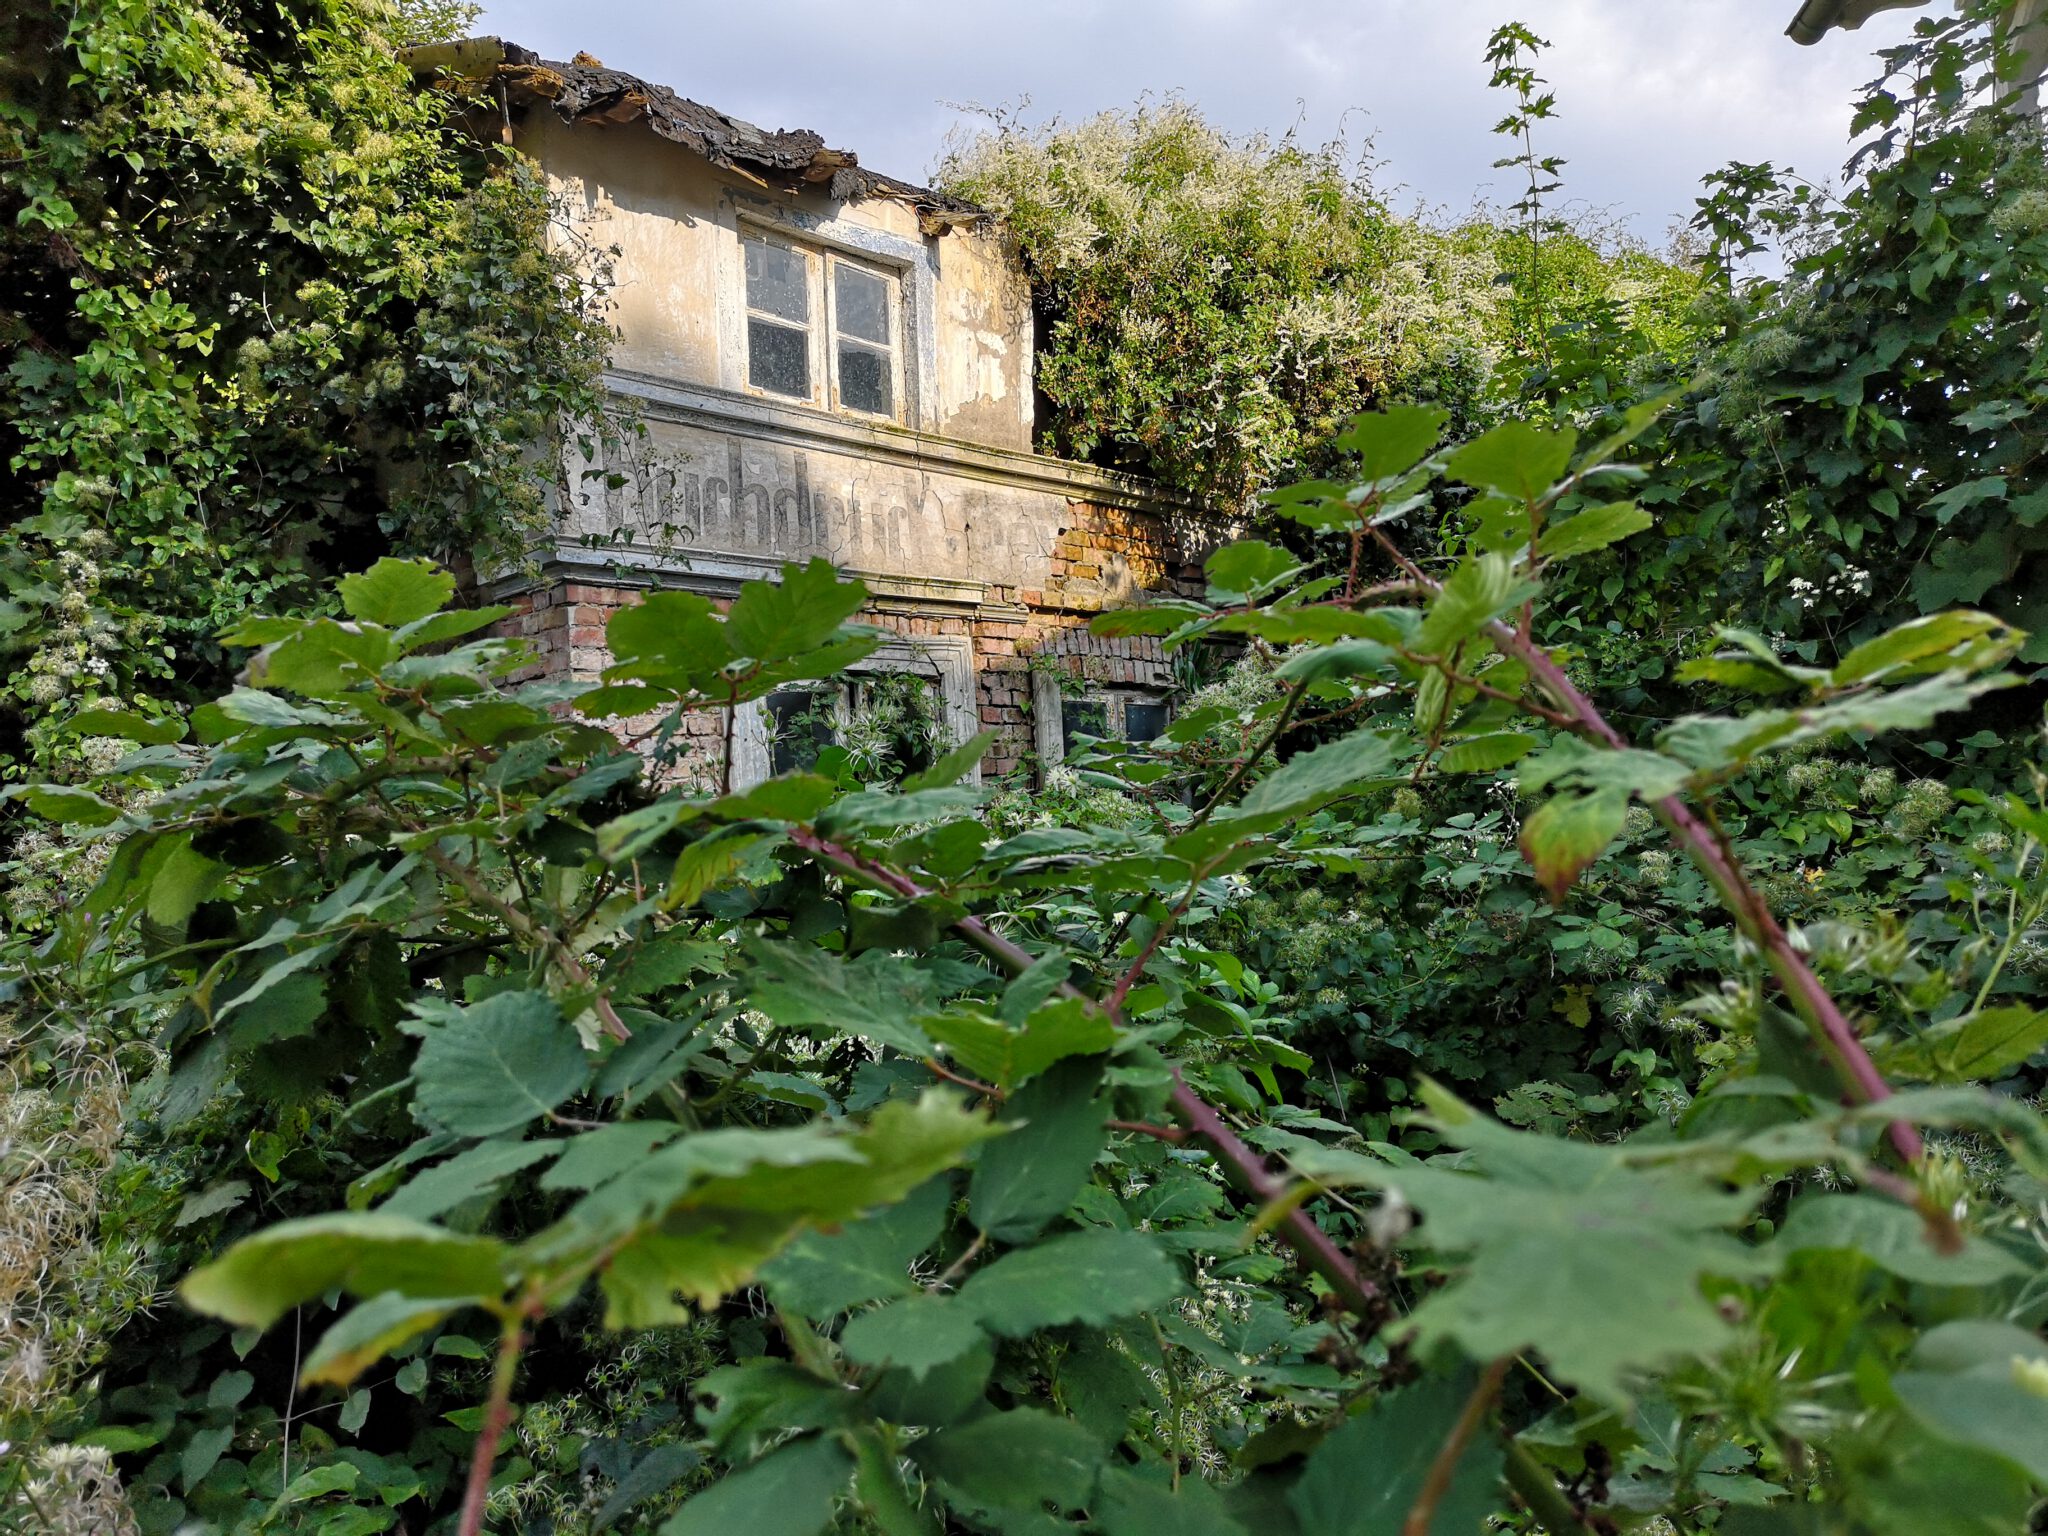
point(1653, 93)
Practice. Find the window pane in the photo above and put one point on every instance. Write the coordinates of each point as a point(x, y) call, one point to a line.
point(1083, 717)
point(863, 303)
point(778, 358)
point(776, 283)
point(863, 378)
point(1143, 722)
point(801, 726)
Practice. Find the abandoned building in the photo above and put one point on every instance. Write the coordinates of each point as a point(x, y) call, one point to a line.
point(827, 362)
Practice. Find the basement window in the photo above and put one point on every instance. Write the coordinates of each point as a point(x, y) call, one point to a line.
point(822, 327)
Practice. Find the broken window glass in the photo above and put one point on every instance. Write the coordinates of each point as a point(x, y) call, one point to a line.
point(863, 378)
point(778, 358)
point(777, 282)
point(865, 364)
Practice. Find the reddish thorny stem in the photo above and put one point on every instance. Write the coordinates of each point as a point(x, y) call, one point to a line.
point(1245, 1165)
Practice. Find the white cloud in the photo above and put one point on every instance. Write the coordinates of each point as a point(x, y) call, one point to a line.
point(1652, 93)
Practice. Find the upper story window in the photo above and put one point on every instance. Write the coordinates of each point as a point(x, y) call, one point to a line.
point(821, 327)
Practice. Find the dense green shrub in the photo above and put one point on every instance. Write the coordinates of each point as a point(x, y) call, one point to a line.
point(265, 310)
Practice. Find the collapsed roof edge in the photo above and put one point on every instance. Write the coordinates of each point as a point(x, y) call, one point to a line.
point(584, 91)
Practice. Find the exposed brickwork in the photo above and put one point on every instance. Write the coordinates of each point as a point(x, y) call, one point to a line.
point(1099, 561)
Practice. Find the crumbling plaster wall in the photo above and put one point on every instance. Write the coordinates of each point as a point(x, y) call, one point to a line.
point(674, 221)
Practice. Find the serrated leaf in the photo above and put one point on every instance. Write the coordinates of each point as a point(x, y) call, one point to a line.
point(918, 1334)
point(1484, 754)
point(1310, 780)
point(1479, 591)
point(1247, 569)
point(1894, 1238)
point(1365, 1477)
point(1017, 1460)
point(874, 996)
point(1090, 1277)
point(1971, 1048)
point(364, 1253)
point(127, 725)
point(466, 1176)
point(394, 592)
point(1516, 458)
point(789, 1492)
point(1032, 1175)
point(1392, 442)
point(954, 766)
point(63, 804)
point(496, 1066)
point(655, 1473)
point(865, 1260)
point(771, 621)
point(995, 1052)
point(1594, 528)
point(1568, 832)
point(1962, 639)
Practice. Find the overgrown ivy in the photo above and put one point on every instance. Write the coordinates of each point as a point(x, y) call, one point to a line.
point(266, 310)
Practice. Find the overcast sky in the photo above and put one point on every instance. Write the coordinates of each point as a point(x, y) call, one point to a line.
point(1653, 93)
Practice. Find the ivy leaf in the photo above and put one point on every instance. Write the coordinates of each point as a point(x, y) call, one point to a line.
point(1033, 1174)
point(1364, 1478)
point(1594, 528)
point(1971, 1048)
point(394, 592)
point(1568, 832)
point(1090, 1277)
point(1516, 458)
point(369, 1331)
point(497, 1065)
point(918, 1334)
point(364, 1253)
point(789, 1492)
point(1017, 1460)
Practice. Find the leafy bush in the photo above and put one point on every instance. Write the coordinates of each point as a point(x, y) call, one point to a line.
point(966, 1158)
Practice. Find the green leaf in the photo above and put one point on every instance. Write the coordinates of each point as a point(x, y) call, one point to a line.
point(1594, 528)
point(1393, 441)
point(917, 1333)
point(1484, 754)
point(1364, 1478)
point(63, 804)
point(954, 766)
point(1247, 569)
point(1018, 1460)
point(1894, 1238)
point(1033, 1174)
point(771, 621)
point(874, 996)
point(1127, 1503)
point(1568, 832)
point(1593, 1254)
point(787, 1493)
point(865, 1260)
point(127, 725)
point(1310, 780)
point(369, 1331)
point(1984, 1385)
point(496, 1066)
point(1476, 593)
point(1516, 458)
point(994, 1052)
point(1971, 1048)
point(469, 1175)
point(1962, 640)
point(655, 1473)
point(1088, 1277)
point(265, 1275)
point(394, 592)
